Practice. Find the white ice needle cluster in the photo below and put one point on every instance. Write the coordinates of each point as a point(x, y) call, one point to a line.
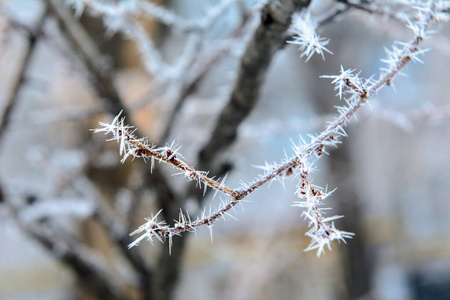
point(348, 82)
point(322, 230)
point(304, 30)
point(150, 229)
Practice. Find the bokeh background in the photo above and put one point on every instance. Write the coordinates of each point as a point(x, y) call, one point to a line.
point(392, 173)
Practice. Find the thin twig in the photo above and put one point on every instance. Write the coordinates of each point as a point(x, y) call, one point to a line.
point(205, 61)
point(32, 38)
point(90, 57)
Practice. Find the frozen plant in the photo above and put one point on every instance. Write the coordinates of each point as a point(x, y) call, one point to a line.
point(323, 230)
point(247, 35)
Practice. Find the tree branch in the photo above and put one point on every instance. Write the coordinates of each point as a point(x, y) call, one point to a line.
point(267, 39)
point(90, 57)
point(32, 37)
point(347, 82)
point(92, 271)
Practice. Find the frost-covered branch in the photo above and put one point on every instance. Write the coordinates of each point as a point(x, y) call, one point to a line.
point(131, 146)
point(355, 91)
point(322, 231)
